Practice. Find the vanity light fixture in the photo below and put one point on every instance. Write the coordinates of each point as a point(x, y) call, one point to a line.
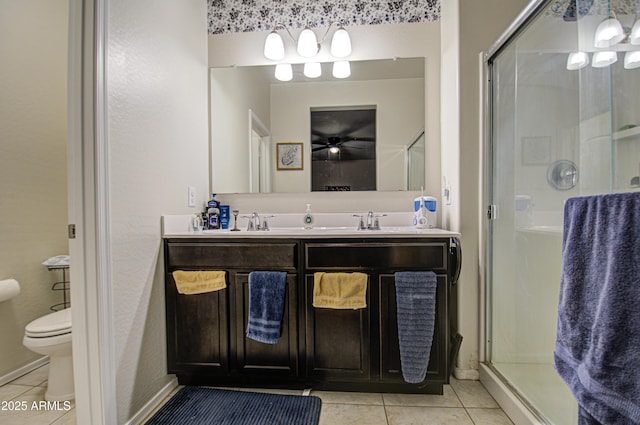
point(307, 44)
point(632, 60)
point(609, 32)
point(341, 69)
point(604, 58)
point(577, 60)
point(312, 70)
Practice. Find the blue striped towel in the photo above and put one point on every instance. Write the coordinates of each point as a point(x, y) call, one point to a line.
point(598, 334)
point(416, 304)
point(266, 305)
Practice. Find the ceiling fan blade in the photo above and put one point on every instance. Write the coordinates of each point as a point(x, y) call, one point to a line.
point(319, 149)
point(357, 139)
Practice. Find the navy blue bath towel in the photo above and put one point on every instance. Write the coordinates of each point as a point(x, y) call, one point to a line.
point(266, 305)
point(416, 304)
point(598, 337)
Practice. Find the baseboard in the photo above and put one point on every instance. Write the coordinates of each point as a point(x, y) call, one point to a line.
point(466, 374)
point(509, 402)
point(5, 379)
point(152, 404)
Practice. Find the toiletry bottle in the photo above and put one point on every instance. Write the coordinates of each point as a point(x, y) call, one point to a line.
point(308, 218)
point(224, 216)
point(196, 223)
point(213, 213)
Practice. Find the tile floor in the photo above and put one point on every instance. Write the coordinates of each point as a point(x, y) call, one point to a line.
point(17, 400)
point(463, 403)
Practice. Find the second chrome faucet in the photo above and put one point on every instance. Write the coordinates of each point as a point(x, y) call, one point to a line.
point(372, 223)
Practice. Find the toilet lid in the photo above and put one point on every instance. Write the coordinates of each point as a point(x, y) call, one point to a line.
point(57, 323)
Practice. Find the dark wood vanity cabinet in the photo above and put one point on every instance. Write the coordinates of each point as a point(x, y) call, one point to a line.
point(206, 340)
point(254, 358)
point(318, 348)
point(337, 345)
point(197, 331)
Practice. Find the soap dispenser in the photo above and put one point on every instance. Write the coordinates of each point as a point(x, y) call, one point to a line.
point(213, 213)
point(308, 218)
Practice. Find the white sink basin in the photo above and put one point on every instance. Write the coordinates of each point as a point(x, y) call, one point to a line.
point(346, 230)
point(177, 226)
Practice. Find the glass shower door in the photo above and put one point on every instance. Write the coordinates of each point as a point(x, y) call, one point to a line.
point(555, 133)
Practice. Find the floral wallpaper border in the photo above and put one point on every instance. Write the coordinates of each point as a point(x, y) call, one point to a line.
point(569, 9)
point(228, 16)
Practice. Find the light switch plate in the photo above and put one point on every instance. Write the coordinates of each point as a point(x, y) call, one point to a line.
point(191, 196)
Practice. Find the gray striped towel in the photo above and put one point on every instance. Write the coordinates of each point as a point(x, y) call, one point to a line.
point(416, 304)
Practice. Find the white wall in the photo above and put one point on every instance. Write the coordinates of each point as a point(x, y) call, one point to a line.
point(158, 145)
point(481, 24)
point(400, 116)
point(477, 26)
point(233, 92)
point(33, 163)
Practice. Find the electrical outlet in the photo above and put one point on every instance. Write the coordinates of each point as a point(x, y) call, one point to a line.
point(191, 196)
point(446, 191)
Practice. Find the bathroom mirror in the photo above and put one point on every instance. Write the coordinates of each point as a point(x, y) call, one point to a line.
point(240, 96)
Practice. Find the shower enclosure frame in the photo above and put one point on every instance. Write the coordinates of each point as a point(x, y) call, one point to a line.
point(549, 132)
point(516, 406)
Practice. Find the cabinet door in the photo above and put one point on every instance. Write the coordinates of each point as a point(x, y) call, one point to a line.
point(390, 348)
point(256, 358)
point(197, 335)
point(337, 341)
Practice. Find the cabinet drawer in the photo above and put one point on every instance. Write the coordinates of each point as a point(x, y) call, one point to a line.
point(267, 256)
point(390, 255)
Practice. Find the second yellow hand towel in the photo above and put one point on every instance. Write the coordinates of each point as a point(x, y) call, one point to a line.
point(340, 290)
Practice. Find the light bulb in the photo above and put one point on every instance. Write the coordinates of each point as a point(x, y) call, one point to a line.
point(632, 60)
point(341, 69)
point(274, 47)
point(307, 43)
point(341, 43)
point(608, 33)
point(284, 72)
point(577, 60)
point(602, 59)
point(634, 37)
point(312, 70)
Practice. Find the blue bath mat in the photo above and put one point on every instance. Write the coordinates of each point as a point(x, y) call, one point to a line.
point(195, 405)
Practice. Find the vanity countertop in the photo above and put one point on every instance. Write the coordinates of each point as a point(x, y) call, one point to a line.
point(393, 226)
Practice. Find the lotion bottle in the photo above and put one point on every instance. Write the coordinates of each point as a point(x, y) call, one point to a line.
point(308, 218)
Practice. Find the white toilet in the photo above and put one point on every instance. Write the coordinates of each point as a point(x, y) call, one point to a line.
point(51, 335)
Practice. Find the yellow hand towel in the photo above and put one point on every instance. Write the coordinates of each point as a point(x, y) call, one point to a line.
point(199, 281)
point(340, 290)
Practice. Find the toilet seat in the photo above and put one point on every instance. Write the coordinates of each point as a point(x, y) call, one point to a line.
point(52, 324)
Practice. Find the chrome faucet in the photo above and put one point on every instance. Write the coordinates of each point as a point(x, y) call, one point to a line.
point(254, 222)
point(255, 219)
point(373, 221)
point(370, 220)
